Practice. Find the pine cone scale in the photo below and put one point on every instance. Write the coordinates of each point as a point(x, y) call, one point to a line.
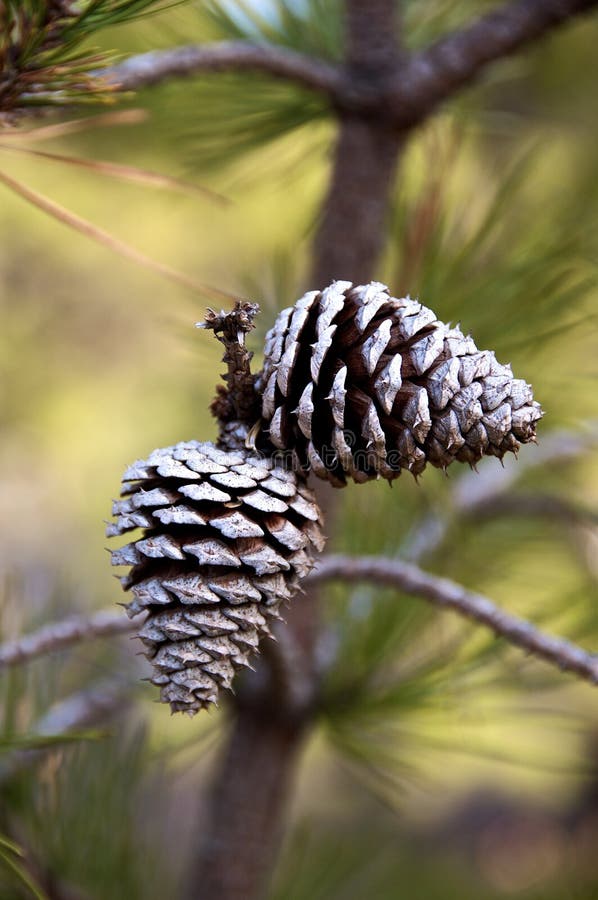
point(361, 384)
point(356, 384)
point(226, 538)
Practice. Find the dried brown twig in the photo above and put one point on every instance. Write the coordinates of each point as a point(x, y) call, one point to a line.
point(88, 229)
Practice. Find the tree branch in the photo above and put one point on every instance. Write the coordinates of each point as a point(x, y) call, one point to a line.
point(290, 673)
point(442, 592)
point(246, 806)
point(454, 61)
point(59, 635)
point(237, 406)
point(372, 38)
point(403, 91)
point(151, 68)
point(246, 818)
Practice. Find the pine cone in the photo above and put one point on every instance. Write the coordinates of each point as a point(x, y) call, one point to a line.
point(227, 536)
point(362, 385)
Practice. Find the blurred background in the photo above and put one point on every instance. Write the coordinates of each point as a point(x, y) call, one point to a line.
point(443, 760)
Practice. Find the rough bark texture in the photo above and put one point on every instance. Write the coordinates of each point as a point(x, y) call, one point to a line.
point(247, 806)
point(351, 230)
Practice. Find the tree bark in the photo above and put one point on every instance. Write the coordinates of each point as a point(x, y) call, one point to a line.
point(351, 232)
point(352, 227)
point(246, 810)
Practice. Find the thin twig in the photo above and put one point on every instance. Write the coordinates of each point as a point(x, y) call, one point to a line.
point(239, 56)
point(60, 635)
point(236, 406)
point(442, 592)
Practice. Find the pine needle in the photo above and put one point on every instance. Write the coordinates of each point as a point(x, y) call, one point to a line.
point(75, 126)
point(87, 228)
point(126, 173)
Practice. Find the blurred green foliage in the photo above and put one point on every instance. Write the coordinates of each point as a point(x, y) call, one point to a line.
point(494, 224)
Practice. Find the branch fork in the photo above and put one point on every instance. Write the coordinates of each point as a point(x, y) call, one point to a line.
point(412, 85)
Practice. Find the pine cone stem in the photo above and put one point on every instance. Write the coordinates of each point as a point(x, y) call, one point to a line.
point(236, 406)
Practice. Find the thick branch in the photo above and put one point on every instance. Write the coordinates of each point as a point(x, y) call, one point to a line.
point(403, 92)
point(353, 224)
point(372, 37)
point(442, 592)
point(238, 56)
point(440, 70)
point(60, 635)
point(246, 818)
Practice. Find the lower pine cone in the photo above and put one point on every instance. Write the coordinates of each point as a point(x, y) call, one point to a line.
point(227, 536)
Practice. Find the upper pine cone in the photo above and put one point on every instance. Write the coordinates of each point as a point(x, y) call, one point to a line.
point(361, 385)
point(227, 536)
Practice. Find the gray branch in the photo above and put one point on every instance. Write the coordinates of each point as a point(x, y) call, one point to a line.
point(395, 573)
point(225, 56)
point(404, 91)
point(457, 59)
point(447, 594)
point(60, 635)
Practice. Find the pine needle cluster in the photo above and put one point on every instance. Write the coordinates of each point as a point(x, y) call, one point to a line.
point(45, 58)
